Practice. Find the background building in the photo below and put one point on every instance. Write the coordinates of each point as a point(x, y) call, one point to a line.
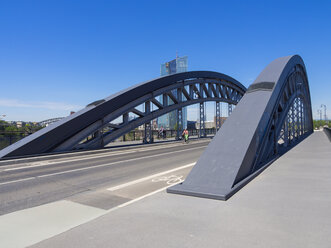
point(169, 121)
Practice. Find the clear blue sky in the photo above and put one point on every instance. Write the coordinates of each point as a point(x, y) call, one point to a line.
point(57, 56)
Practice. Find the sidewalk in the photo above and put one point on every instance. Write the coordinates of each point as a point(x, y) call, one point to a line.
point(288, 205)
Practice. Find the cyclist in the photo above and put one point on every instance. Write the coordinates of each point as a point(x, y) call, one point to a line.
point(185, 135)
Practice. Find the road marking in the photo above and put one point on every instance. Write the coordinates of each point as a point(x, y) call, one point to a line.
point(116, 149)
point(148, 177)
point(101, 165)
point(139, 198)
point(46, 163)
point(19, 180)
point(172, 179)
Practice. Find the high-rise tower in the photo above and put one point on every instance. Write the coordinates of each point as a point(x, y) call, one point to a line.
point(179, 64)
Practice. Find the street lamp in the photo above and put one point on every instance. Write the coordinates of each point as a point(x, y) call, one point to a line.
point(319, 112)
point(323, 105)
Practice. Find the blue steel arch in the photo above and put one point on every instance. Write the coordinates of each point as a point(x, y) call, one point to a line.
point(273, 116)
point(182, 88)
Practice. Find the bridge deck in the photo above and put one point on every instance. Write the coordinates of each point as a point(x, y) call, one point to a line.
point(288, 205)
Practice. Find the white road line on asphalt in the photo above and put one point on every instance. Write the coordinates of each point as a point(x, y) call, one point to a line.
point(19, 180)
point(84, 157)
point(158, 146)
point(148, 177)
point(141, 197)
point(62, 161)
point(137, 199)
point(98, 166)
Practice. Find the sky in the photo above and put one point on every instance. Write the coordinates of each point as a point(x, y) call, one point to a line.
point(58, 56)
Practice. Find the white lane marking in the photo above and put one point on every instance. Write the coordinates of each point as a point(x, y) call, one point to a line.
point(19, 180)
point(33, 165)
point(101, 165)
point(148, 177)
point(40, 164)
point(46, 163)
point(138, 199)
point(146, 147)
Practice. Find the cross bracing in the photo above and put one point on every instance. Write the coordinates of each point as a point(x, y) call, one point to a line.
point(164, 100)
point(273, 116)
point(95, 126)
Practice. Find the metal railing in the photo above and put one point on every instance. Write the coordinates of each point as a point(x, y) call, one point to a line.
point(327, 131)
point(136, 135)
point(8, 138)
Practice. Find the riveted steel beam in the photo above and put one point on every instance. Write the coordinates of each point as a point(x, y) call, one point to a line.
point(261, 128)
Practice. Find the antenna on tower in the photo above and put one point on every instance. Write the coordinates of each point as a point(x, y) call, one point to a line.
point(176, 54)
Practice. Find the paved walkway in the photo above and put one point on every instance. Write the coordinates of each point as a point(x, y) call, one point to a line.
point(288, 205)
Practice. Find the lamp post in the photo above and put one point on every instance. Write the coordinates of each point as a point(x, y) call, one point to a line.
point(319, 112)
point(323, 105)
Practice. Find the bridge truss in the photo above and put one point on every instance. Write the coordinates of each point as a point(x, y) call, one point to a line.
point(98, 124)
point(273, 116)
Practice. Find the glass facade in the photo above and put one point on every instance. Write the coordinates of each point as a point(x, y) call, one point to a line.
point(169, 121)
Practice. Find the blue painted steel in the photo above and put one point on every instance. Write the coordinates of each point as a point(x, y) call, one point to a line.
point(68, 133)
point(272, 117)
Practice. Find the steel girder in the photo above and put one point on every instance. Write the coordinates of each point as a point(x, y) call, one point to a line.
point(49, 121)
point(273, 116)
point(93, 126)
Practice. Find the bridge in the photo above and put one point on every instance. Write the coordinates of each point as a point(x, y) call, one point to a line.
point(122, 189)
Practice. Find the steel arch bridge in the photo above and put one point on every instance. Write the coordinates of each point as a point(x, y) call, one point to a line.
point(156, 97)
point(273, 116)
point(47, 122)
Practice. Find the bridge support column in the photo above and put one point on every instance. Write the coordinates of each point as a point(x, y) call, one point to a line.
point(179, 123)
point(125, 120)
point(179, 115)
point(148, 127)
point(229, 109)
point(286, 132)
point(218, 116)
point(202, 130)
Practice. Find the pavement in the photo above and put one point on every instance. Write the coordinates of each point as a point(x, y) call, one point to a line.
point(53, 194)
point(287, 205)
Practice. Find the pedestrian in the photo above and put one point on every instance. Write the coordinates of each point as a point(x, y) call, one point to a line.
point(161, 132)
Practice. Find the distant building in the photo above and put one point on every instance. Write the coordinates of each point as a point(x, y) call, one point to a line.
point(169, 121)
point(208, 124)
point(211, 124)
point(20, 124)
point(191, 125)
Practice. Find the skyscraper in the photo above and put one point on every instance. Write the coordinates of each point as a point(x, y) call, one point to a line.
point(177, 65)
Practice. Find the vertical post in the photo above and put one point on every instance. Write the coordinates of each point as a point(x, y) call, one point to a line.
point(179, 122)
point(125, 120)
point(218, 116)
point(229, 109)
point(286, 132)
point(179, 114)
point(148, 129)
point(202, 130)
point(295, 117)
point(304, 113)
point(301, 117)
point(275, 119)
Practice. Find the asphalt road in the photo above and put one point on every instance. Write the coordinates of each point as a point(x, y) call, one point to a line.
point(84, 177)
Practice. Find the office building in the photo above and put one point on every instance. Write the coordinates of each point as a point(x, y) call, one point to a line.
point(169, 121)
